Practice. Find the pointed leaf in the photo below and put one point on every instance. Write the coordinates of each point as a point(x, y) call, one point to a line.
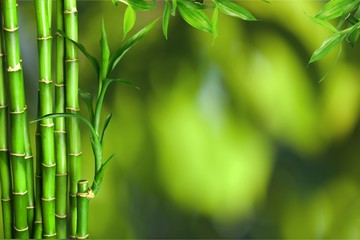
point(196, 18)
point(234, 10)
point(325, 24)
point(105, 51)
point(100, 175)
point(90, 57)
point(88, 99)
point(214, 22)
point(350, 7)
point(166, 18)
point(328, 45)
point(126, 46)
point(332, 9)
point(106, 123)
point(129, 20)
point(174, 7)
point(142, 5)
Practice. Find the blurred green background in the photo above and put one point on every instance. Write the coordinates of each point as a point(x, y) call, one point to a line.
point(238, 139)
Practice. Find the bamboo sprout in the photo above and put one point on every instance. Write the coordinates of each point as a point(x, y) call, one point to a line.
point(5, 174)
point(43, 16)
point(17, 111)
point(72, 106)
point(60, 134)
point(83, 209)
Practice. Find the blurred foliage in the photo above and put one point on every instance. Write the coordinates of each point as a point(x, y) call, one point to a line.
point(238, 139)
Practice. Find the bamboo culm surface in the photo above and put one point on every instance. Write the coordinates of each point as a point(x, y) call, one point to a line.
point(17, 112)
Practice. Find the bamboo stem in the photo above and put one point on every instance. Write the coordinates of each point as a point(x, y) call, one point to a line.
point(5, 174)
point(72, 106)
point(17, 110)
point(83, 210)
point(43, 16)
point(60, 134)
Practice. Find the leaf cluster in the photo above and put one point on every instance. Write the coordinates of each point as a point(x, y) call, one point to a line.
point(346, 14)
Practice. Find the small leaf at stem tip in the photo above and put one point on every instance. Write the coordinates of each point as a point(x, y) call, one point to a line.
point(88, 99)
point(105, 51)
point(166, 18)
point(106, 124)
point(129, 20)
point(99, 175)
point(234, 10)
point(328, 45)
point(195, 18)
point(214, 22)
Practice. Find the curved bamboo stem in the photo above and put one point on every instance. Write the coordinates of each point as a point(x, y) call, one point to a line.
point(17, 110)
point(72, 106)
point(43, 16)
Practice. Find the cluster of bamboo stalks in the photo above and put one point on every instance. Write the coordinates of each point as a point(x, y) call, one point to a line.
point(38, 209)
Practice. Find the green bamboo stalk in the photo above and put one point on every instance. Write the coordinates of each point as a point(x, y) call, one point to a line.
point(43, 16)
point(38, 223)
point(60, 133)
point(82, 210)
point(5, 174)
point(72, 106)
point(17, 110)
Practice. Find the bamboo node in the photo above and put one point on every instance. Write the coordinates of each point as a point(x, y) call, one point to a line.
point(16, 68)
point(38, 222)
point(6, 199)
point(2, 54)
point(75, 154)
point(59, 131)
point(28, 157)
point(71, 60)
point(47, 125)
point(73, 109)
point(59, 84)
point(49, 235)
point(3, 106)
point(72, 195)
point(73, 10)
point(38, 176)
point(20, 193)
point(61, 174)
point(83, 237)
point(89, 194)
point(10, 29)
point(47, 199)
point(21, 230)
point(4, 150)
point(20, 111)
point(44, 38)
point(17, 154)
point(30, 207)
point(46, 81)
point(49, 165)
point(72, 236)
point(61, 216)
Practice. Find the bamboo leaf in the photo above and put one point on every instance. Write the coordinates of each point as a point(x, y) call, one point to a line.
point(166, 18)
point(174, 7)
point(126, 46)
point(328, 45)
point(234, 10)
point(88, 99)
point(106, 123)
point(353, 37)
point(142, 5)
point(325, 24)
point(194, 5)
point(90, 57)
point(333, 9)
point(350, 7)
point(105, 51)
point(129, 20)
point(196, 18)
point(100, 175)
point(214, 22)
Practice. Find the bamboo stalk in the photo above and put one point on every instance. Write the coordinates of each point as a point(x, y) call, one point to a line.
point(17, 110)
point(83, 210)
point(60, 134)
point(43, 16)
point(5, 174)
point(72, 106)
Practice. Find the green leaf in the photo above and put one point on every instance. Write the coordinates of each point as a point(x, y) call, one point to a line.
point(126, 46)
point(115, 2)
point(105, 51)
point(214, 22)
point(350, 7)
point(194, 5)
point(129, 20)
point(174, 7)
point(166, 18)
point(333, 9)
point(196, 18)
point(142, 5)
point(324, 23)
point(106, 123)
point(328, 45)
point(90, 57)
point(100, 175)
point(234, 10)
point(88, 99)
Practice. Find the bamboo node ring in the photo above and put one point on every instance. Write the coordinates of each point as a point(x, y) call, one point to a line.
point(47, 124)
point(50, 235)
point(49, 165)
point(38, 222)
point(30, 207)
point(75, 154)
point(73, 10)
point(21, 230)
point(20, 111)
point(60, 216)
point(59, 84)
point(47, 199)
point(28, 157)
point(61, 174)
point(3, 106)
point(59, 131)
point(4, 150)
point(16, 68)
point(20, 193)
point(44, 38)
point(72, 195)
point(46, 81)
point(6, 199)
point(83, 237)
point(71, 60)
point(17, 154)
point(2, 54)
point(72, 236)
point(73, 109)
point(10, 29)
